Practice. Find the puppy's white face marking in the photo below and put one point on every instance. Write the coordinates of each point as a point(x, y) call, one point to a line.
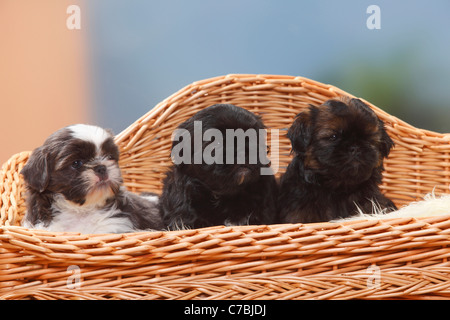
point(97, 136)
point(90, 133)
point(99, 194)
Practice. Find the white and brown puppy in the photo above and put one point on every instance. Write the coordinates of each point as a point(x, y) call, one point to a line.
point(74, 184)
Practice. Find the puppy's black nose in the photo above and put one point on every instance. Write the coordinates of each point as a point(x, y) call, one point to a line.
point(354, 150)
point(100, 170)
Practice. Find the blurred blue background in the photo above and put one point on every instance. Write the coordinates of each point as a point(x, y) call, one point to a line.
point(140, 52)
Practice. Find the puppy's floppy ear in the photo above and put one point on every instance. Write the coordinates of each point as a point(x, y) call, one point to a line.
point(386, 143)
point(36, 170)
point(301, 130)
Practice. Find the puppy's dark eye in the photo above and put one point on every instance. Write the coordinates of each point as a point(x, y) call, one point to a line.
point(111, 156)
point(77, 164)
point(333, 137)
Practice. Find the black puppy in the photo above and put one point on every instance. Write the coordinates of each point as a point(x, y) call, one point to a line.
point(221, 174)
point(337, 167)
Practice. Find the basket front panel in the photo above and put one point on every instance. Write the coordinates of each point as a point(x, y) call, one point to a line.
point(326, 261)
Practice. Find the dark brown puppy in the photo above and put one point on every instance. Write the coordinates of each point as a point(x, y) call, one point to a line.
point(339, 148)
point(229, 188)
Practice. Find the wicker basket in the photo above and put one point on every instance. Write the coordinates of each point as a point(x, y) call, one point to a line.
point(397, 258)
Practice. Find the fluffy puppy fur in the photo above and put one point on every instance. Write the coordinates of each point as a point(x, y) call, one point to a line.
point(430, 206)
point(337, 167)
point(74, 184)
point(201, 195)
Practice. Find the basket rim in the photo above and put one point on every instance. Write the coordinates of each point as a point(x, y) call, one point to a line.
point(198, 85)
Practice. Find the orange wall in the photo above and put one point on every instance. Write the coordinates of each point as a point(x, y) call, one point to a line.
point(43, 73)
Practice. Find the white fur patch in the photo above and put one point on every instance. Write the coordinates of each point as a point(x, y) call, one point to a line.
point(90, 133)
point(151, 198)
point(89, 219)
point(430, 206)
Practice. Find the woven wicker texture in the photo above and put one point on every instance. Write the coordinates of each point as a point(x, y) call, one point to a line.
point(311, 261)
